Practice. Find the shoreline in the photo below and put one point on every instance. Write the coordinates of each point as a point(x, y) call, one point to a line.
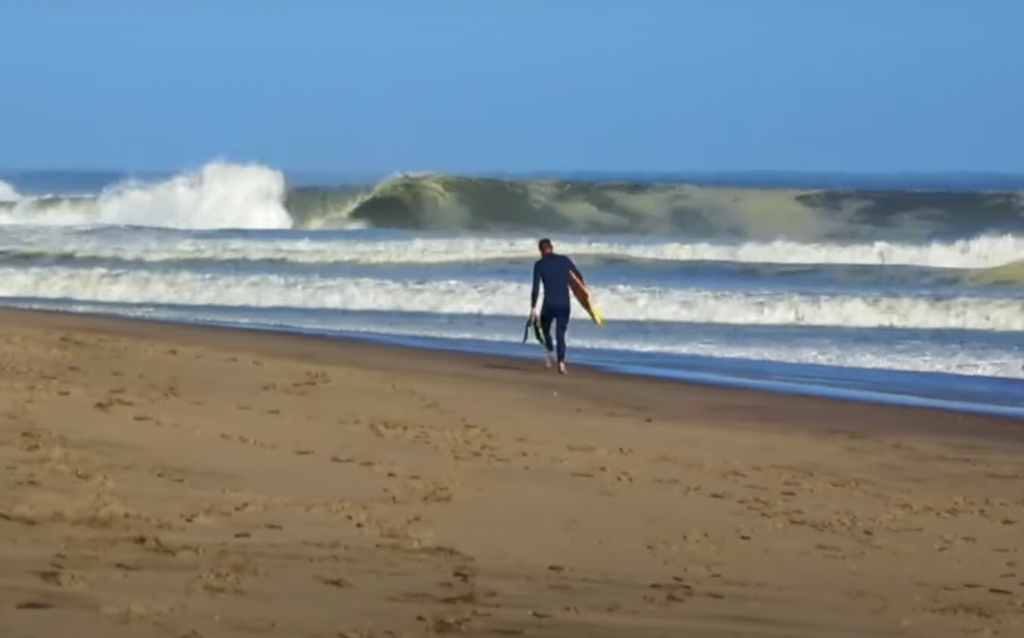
point(168, 479)
point(999, 421)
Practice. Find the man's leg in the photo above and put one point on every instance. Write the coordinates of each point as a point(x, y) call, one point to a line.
point(561, 325)
point(546, 319)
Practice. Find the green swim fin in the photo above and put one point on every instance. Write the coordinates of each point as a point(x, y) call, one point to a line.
point(534, 325)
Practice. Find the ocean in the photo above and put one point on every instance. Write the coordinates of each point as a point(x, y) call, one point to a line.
point(895, 289)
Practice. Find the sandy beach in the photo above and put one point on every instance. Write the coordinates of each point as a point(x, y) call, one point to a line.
point(180, 481)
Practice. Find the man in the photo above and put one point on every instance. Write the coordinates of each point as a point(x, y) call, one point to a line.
point(555, 271)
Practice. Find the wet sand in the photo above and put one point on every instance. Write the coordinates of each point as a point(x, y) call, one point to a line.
point(164, 480)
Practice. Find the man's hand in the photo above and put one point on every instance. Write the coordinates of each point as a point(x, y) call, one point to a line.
point(533, 313)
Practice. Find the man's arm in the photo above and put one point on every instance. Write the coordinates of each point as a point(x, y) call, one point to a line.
point(535, 293)
point(576, 271)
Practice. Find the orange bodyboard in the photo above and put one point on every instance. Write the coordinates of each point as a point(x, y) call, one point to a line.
point(582, 294)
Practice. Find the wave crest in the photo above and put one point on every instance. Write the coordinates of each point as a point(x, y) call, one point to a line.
point(222, 195)
point(8, 194)
point(445, 202)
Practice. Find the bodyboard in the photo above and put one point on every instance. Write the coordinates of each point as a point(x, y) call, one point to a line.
point(582, 294)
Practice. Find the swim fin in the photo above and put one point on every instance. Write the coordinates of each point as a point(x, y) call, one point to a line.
point(533, 324)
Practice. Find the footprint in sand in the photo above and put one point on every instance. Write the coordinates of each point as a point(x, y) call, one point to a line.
point(334, 581)
point(34, 604)
point(388, 429)
point(170, 476)
point(62, 578)
point(314, 379)
point(436, 491)
point(221, 582)
point(93, 478)
point(248, 440)
point(109, 403)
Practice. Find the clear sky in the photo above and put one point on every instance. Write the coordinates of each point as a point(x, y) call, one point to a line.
point(514, 85)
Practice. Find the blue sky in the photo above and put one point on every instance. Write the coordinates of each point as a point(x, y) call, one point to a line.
point(523, 85)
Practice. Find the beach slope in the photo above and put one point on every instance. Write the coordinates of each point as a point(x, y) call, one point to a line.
point(164, 480)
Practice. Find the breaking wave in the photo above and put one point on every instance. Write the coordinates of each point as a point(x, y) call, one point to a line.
point(217, 196)
point(8, 194)
point(499, 298)
point(985, 252)
point(222, 195)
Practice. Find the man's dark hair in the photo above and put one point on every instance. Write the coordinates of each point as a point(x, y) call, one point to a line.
point(544, 244)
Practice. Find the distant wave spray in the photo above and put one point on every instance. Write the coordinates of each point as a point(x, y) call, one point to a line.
point(217, 196)
point(8, 193)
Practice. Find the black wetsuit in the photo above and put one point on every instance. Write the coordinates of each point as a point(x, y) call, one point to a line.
point(554, 271)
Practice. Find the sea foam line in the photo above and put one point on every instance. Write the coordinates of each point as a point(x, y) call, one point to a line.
point(497, 298)
point(977, 252)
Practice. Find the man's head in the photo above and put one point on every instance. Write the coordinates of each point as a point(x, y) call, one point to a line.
point(545, 246)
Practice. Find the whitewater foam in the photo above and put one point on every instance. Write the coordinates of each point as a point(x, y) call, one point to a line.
point(8, 193)
point(974, 253)
point(219, 195)
point(496, 298)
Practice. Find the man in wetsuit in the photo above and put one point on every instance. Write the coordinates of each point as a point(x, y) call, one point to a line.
point(555, 271)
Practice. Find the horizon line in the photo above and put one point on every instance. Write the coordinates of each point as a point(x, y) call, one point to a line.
point(534, 172)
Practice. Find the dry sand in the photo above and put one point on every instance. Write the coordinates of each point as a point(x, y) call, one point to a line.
point(176, 481)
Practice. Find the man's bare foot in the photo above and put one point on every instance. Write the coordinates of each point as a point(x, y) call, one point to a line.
point(549, 360)
point(561, 368)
